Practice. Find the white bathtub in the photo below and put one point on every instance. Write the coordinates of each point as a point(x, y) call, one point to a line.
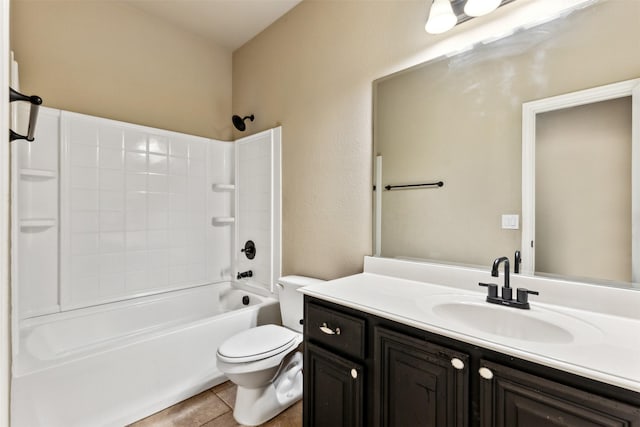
point(113, 364)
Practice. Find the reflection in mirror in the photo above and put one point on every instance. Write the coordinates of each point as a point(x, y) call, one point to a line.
point(583, 221)
point(582, 224)
point(458, 120)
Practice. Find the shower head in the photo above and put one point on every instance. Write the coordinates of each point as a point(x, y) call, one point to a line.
point(238, 122)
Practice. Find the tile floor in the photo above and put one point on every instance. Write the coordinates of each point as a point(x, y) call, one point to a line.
point(214, 408)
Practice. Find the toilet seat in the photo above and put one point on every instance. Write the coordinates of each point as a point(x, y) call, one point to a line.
point(257, 343)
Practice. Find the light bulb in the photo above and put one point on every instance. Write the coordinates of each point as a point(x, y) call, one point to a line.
point(480, 7)
point(441, 17)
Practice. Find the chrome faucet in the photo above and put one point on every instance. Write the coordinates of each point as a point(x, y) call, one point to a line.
point(522, 300)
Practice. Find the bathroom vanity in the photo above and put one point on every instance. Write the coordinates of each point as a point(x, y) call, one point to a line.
point(388, 351)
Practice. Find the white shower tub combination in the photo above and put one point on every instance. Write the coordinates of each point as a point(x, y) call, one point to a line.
point(110, 365)
point(126, 225)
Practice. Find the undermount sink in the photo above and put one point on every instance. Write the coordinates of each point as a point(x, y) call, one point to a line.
point(536, 325)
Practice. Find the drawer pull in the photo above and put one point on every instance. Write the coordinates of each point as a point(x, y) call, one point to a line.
point(486, 373)
point(354, 374)
point(327, 330)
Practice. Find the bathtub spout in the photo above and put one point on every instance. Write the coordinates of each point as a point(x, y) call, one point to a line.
point(244, 274)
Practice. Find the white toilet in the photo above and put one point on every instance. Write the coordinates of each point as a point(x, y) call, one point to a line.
point(263, 361)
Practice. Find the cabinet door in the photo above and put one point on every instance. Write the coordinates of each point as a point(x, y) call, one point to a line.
point(512, 398)
point(333, 390)
point(419, 383)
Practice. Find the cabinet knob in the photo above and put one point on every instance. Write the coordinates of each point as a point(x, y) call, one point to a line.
point(327, 330)
point(457, 363)
point(485, 373)
point(354, 374)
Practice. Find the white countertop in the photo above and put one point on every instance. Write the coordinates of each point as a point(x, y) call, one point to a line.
point(609, 351)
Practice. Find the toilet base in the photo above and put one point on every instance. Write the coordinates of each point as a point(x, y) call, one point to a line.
point(254, 406)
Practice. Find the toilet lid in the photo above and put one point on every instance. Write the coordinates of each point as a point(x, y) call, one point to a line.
point(256, 343)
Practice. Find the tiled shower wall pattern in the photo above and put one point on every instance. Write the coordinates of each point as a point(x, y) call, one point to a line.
point(134, 211)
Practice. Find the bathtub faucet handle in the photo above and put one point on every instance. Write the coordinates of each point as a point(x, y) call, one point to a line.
point(249, 249)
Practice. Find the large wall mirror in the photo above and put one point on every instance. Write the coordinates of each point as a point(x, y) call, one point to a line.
point(458, 120)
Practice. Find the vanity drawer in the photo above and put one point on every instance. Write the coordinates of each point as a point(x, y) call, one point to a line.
point(335, 330)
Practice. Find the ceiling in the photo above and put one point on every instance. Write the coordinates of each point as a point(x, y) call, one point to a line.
point(227, 23)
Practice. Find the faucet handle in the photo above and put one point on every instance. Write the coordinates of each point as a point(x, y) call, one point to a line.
point(492, 290)
point(523, 295)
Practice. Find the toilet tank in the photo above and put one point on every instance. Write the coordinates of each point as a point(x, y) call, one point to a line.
point(292, 301)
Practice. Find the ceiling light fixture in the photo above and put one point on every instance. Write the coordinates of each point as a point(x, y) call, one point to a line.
point(480, 7)
point(446, 14)
point(441, 17)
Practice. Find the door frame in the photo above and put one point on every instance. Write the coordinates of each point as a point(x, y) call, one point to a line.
point(530, 110)
point(5, 242)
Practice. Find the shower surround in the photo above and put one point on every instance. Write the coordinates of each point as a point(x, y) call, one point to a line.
point(111, 216)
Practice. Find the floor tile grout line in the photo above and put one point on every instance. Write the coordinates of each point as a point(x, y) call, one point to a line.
point(226, 418)
point(213, 419)
point(216, 417)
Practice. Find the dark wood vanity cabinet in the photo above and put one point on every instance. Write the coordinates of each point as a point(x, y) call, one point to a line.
point(416, 382)
point(357, 375)
point(335, 396)
point(334, 357)
point(363, 370)
point(512, 398)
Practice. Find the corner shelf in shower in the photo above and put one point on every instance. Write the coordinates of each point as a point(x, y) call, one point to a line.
point(31, 223)
point(37, 173)
point(223, 187)
point(222, 220)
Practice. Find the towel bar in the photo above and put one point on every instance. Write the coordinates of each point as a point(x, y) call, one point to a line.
point(35, 101)
point(409, 186)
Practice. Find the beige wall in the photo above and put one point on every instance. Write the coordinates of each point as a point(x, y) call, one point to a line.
point(107, 59)
point(459, 120)
point(312, 72)
point(583, 218)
